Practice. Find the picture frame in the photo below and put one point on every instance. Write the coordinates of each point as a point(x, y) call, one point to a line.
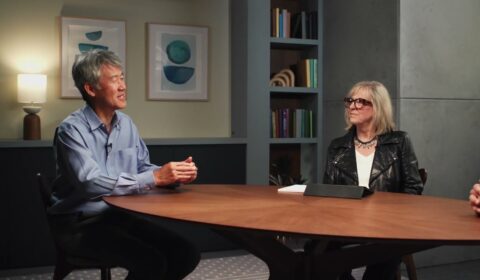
point(177, 62)
point(82, 34)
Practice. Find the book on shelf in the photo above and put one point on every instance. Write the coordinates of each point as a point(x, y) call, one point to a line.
point(311, 25)
point(304, 25)
point(298, 122)
point(306, 73)
point(291, 123)
point(310, 123)
point(313, 72)
point(286, 23)
point(296, 26)
point(303, 19)
point(274, 21)
point(280, 22)
point(285, 122)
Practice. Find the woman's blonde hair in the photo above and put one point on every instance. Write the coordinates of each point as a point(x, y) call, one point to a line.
point(382, 105)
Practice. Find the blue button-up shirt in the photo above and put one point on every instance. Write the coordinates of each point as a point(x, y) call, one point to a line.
point(92, 163)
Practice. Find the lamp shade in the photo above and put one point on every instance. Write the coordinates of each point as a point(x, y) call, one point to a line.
point(32, 88)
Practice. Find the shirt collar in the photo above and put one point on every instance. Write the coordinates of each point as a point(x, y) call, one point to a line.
point(94, 122)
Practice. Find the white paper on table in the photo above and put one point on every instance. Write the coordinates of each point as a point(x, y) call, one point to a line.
point(293, 189)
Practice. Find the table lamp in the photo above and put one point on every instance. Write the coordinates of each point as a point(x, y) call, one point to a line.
point(32, 91)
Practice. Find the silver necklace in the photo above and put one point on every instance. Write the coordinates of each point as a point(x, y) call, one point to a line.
point(365, 145)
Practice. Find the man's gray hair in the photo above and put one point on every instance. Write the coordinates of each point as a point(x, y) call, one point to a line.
point(86, 68)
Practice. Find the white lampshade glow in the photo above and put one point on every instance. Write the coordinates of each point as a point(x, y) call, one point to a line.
point(32, 88)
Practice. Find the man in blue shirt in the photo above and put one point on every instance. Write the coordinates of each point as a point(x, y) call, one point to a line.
point(100, 153)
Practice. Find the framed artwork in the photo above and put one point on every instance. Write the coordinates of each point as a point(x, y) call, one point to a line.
point(83, 34)
point(177, 62)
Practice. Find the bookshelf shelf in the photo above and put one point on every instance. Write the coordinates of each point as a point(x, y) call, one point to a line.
point(294, 90)
point(293, 140)
point(293, 43)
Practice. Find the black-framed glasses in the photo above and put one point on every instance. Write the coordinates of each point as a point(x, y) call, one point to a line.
point(359, 102)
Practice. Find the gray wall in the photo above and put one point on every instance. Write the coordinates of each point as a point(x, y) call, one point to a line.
point(439, 90)
point(427, 53)
point(360, 43)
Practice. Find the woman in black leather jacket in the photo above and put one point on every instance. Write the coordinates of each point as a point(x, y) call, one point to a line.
point(373, 155)
point(394, 166)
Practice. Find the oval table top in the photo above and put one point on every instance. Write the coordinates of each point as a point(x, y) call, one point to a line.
point(381, 216)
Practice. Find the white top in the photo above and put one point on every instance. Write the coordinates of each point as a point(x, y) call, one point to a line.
point(364, 168)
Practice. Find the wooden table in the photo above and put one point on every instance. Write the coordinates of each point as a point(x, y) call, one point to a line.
point(382, 225)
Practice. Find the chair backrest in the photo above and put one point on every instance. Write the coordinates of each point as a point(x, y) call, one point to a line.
point(66, 263)
point(45, 190)
point(423, 175)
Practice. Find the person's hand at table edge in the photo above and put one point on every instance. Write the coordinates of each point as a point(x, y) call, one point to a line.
point(176, 172)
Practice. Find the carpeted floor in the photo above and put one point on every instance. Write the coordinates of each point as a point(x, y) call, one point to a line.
point(235, 265)
point(241, 267)
point(238, 265)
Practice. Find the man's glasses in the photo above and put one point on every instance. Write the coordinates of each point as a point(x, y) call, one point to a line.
point(359, 102)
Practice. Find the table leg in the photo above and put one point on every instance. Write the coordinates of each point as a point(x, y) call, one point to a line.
point(330, 264)
point(320, 262)
point(283, 263)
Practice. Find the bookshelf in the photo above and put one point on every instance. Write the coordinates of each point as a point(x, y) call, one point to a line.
point(281, 121)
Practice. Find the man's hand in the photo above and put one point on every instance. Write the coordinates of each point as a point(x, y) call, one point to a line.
point(475, 198)
point(176, 172)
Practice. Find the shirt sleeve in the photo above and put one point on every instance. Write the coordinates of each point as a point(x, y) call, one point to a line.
point(130, 184)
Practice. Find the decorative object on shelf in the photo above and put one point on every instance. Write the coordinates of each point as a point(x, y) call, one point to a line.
point(177, 62)
point(81, 35)
point(32, 91)
point(284, 78)
point(280, 170)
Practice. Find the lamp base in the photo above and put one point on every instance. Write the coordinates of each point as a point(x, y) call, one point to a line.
point(31, 127)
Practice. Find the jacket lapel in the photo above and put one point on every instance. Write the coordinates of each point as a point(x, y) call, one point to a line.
point(385, 156)
point(345, 160)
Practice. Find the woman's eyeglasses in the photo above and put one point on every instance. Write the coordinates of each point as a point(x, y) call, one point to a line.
point(359, 102)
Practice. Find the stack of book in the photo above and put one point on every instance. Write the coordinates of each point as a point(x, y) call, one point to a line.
point(281, 21)
point(303, 25)
point(291, 123)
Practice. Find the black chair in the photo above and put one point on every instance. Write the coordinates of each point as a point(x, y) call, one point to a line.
point(66, 263)
point(408, 259)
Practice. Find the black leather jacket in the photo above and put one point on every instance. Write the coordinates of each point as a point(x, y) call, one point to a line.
point(394, 168)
